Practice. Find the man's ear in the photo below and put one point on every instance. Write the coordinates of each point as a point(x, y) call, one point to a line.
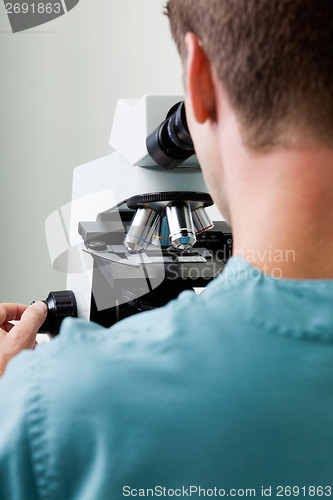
point(199, 82)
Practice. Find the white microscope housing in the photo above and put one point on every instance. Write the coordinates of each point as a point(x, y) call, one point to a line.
point(133, 221)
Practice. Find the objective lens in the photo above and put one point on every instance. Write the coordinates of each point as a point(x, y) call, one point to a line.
point(201, 220)
point(161, 235)
point(141, 231)
point(182, 232)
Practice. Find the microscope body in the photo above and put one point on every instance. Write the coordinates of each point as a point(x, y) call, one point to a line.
point(138, 230)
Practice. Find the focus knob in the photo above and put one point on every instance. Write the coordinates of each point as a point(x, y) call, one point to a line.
point(60, 306)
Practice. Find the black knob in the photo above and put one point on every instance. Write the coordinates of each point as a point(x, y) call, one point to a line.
point(60, 306)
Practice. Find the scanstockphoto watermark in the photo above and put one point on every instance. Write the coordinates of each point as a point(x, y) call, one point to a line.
point(313, 491)
point(270, 262)
point(187, 491)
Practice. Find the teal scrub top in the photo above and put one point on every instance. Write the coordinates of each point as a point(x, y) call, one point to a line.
point(229, 393)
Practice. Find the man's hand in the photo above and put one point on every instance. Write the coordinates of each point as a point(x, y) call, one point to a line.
point(15, 338)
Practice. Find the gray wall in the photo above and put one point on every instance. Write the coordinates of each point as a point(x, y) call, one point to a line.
point(59, 84)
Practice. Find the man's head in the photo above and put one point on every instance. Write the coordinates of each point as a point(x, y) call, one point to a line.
point(259, 95)
point(259, 102)
point(274, 60)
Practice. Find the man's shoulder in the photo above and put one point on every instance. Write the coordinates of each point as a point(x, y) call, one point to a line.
point(86, 356)
point(188, 313)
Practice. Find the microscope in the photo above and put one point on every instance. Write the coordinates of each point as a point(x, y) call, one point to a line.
point(143, 226)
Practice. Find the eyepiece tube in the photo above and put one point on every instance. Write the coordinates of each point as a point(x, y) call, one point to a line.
point(171, 144)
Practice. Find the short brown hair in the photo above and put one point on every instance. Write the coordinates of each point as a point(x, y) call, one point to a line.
point(274, 59)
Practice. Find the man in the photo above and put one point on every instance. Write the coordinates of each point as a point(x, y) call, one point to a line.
point(229, 391)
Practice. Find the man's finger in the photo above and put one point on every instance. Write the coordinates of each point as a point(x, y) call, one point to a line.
point(6, 327)
point(23, 335)
point(11, 312)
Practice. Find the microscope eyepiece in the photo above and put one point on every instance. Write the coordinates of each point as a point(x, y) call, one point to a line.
point(171, 144)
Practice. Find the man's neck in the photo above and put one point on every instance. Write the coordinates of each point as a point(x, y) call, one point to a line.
point(281, 208)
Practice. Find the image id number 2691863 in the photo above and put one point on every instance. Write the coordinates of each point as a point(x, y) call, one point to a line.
point(33, 8)
point(303, 491)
